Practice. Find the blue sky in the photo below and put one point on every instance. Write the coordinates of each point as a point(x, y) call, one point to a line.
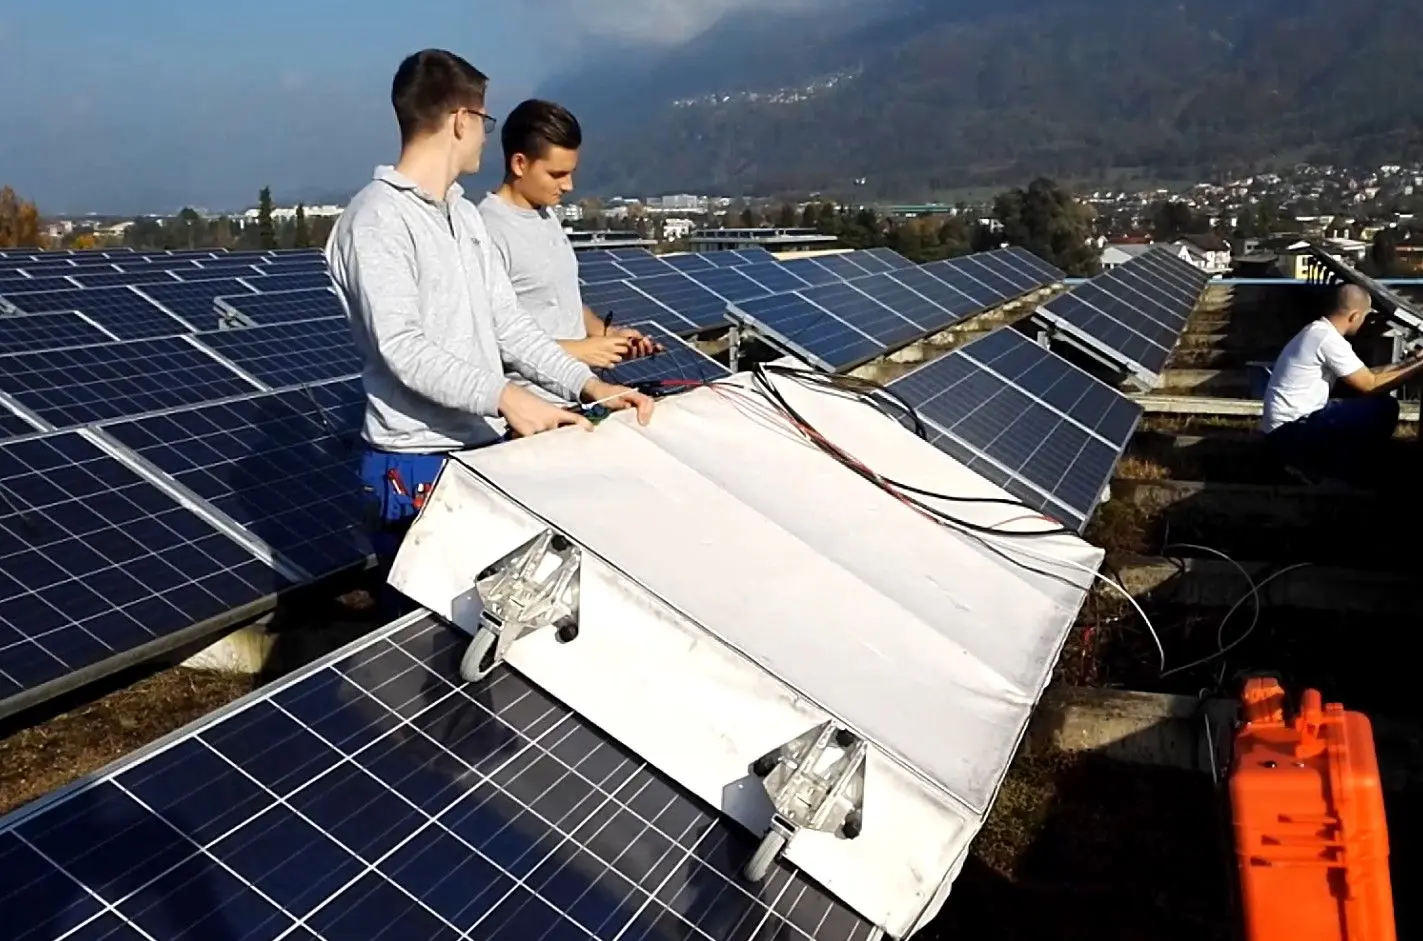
point(142, 105)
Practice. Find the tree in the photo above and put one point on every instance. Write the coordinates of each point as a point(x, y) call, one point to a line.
point(266, 230)
point(302, 238)
point(1048, 221)
point(786, 219)
point(750, 218)
point(1172, 219)
point(810, 216)
point(84, 241)
point(1383, 254)
point(19, 221)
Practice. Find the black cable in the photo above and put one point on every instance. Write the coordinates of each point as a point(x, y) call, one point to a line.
point(760, 376)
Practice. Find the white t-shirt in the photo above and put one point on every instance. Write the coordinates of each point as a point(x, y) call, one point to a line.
point(1304, 373)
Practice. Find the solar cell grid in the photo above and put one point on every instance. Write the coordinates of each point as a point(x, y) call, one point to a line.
point(20, 332)
point(890, 257)
point(295, 281)
point(679, 361)
point(689, 262)
point(870, 262)
point(811, 271)
point(86, 384)
point(1024, 419)
point(627, 304)
point(693, 306)
point(926, 316)
point(379, 797)
point(288, 354)
point(1018, 282)
point(120, 310)
point(958, 304)
point(283, 306)
point(601, 271)
point(729, 284)
point(1001, 287)
point(341, 406)
point(111, 278)
point(645, 266)
point(194, 300)
point(1050, 273)
point(956, 277)
point(807, 330)
point(274, 463)
point(96, 562)
point(774, 277)
point(846, 302)
point(618, 253)
point(842, 266)
point(18, 285)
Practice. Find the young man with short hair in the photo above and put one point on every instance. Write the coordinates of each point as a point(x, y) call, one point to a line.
point(432, 311)
point(541, 142)
point(1341, 438)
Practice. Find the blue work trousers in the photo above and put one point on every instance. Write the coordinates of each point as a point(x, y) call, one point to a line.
point(1346, 439)
point(394, 486)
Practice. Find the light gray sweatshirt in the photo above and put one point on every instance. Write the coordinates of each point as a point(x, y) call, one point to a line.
point(433, 315)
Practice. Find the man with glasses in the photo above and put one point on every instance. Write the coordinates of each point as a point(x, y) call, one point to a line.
point(433, 313)
point(1340, 438)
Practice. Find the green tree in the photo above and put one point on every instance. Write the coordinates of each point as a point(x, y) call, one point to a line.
point(810, 216)
point(750, 218)
point(1049, 221)
point(266, 230)
point(1383, 254)
point(302, 237)
point(786, 219)
point(1172, 219)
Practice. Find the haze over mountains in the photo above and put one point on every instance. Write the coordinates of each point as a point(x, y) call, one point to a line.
point(918, 96)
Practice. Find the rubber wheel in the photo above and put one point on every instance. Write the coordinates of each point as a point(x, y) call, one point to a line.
point(765, 856)
point(478, 659)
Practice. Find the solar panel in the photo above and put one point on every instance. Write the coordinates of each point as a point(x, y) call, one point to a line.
point(886, 256)
point(158, 263)
point(274, 463)
point(695, 307)
point(289, 354)
point(954, 301)
point(222, 269)
point(1133, 316)
point(96, 562)
point(283, 306)
point(688, 263)
point(927, 316)
point(754, 255)
point(957, 277)
point(841, 266)
point(629, 305)
point(774, 277)
point(811, 271)
point(679, 361)
point(120, 310)
point(1027, 261)
point(20, 332)
point(374, 795)
point(1018, 281)
point(628, 253)
point(847, 302)
point(295, 281)
point(601, 271)
point(86, 384)
point(729, 284)
point(1024, 419)
point(870, 262)
point(975, 266)
point(110, 278)
point(644, 266)
point(194, 300)
point(807, 330)
point(341, 406)
point(17, 285)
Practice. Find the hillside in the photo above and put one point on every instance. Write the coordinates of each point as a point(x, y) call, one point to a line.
point(924, 95)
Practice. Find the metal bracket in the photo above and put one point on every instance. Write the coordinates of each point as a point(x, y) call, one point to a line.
point(534, 587)
point(815, 781)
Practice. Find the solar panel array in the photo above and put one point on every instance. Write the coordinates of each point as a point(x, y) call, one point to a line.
point(1131, 316)
point(159, 476)
point(376, 795)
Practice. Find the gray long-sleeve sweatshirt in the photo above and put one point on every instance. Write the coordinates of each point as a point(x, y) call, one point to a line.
point(433, 315)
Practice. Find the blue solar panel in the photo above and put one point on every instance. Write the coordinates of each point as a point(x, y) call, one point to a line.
point(289, 354)
point(957, 303)
point(119, 310)
point(807, 331)
point(158, 263)
point(1024, 419)
point(928, 317)
point(274, 463)
point(294, 265)
point(600, 272)
point(296, 281)
point(1027, 261)
point(689, 262)
point(84, 384)
point(811, 271)
point(886, 327)
point(21, 332)
point(18, 285)
point(892, 259)
point(96, 563)
point(696, 307)
point(629, 305)
point(376, 796)
point(222, 269)
point(627, 253)
point(97, 279)
point(754, 255)
point(283, 306)
point(956, 277)
point(870, 262)
point(842, 266)
point(1133, 315)
point(1018, 281)
point(975, 266)
point(194, 300)
point(678, 361)
point(729, 283)
point(645, 266)
point(774, 277)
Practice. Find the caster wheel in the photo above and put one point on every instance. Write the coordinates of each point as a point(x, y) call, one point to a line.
point(478, 659)
point(566, 631)
point(559, 543)
point(853, 825)
point(765, 856)
point(844, 738)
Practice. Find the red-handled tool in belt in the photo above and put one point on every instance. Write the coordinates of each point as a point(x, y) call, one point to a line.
point(422, 491)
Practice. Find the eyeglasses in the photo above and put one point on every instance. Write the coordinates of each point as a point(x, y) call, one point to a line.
point(489, 122)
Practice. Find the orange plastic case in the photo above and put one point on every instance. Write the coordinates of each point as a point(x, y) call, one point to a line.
point(1311, 839)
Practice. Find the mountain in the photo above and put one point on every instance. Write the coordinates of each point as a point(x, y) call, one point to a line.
point(914, 96)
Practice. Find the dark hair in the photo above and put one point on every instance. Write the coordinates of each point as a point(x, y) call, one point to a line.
point(430, 85)
point(535, 126)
